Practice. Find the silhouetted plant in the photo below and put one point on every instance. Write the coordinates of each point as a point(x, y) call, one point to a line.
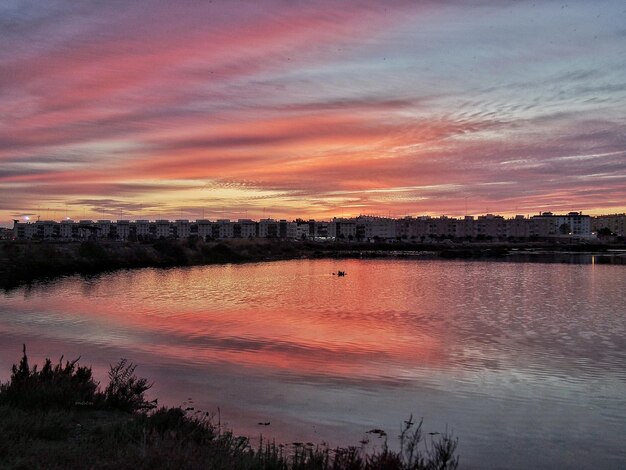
point(219, 253)
point(126, 391)
point(58, 386)
point(172, 250)
point(92, 250)
point(439, 455)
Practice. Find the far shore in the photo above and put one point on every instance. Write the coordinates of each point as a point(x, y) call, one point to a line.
point(25, 261)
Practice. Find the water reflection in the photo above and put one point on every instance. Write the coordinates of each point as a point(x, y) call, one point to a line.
point(613, 257)
point(522, 359)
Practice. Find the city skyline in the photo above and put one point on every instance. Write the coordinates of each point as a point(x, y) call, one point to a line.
point(304, 217)
point(277, 109)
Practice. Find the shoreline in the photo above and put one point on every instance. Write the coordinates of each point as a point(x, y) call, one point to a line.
point(23, 262)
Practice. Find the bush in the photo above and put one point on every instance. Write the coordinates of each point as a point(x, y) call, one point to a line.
point(59, 386)
point(125, 390)
point(92, 251)
point(172, 251)
point(219, 253)
point(64, 386)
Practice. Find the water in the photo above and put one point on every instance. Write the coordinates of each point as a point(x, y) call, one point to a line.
point(524, 362)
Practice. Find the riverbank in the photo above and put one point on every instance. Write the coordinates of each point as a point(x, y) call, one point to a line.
point(24, 261)
point(58, 417)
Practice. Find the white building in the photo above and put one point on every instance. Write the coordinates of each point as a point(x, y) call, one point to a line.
point(66, 231)
point(292, 230)
point(248, 228)
point(122, 229)
point(24, 230)
point(321, 230)
point(181, 229)
point(103, 228)
point(162, 229)
point(342, 229)
point(303, 229)
point(205, 229)
point(572, 224)
point(268, 228)
point(142, 229)
point(546, 224)
point(226, 228)
point(377, 227)
point(616, 223)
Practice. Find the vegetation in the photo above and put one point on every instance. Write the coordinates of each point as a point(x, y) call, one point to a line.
point(60, 386)
point(23, 261)
point(58, 417)
point(65, 387)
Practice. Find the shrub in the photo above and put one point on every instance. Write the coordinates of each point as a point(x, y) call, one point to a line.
point(172, 251)
point(219, 253)
point(59, 386)
point(125, 390)
point(92, 251)
point(64, 386)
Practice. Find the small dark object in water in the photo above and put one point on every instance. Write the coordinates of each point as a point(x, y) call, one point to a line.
point(264, 424)
point(341, 273)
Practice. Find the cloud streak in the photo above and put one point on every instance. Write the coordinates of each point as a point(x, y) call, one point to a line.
point(406, 107)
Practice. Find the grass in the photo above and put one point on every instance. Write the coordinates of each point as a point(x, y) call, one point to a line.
point(59, 417)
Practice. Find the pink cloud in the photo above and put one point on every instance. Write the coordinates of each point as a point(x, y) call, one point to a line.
point(263, 96)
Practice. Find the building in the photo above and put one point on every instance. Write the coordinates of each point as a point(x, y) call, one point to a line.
point(180, 229)
point(225, 228)
point(342, 229)
point(320, 231)
point(268, 228)
point(103, 228)
point(122, 229)
point(362, 228)
point(518, 227)
point(490, 226)
point(162, 229)
point(67, 229)
point(142, 230)
point(375, 228)
point(573, 224)
point(303, 229)
point(249, 228)
point(616, 223)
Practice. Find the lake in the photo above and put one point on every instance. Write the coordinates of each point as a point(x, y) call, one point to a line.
point(524, 362)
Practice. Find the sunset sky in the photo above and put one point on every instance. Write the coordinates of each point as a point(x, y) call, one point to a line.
point(231, 109)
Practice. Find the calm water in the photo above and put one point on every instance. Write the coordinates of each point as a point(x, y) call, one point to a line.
point(525, 362)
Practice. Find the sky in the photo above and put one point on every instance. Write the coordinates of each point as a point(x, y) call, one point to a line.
point(312, 109)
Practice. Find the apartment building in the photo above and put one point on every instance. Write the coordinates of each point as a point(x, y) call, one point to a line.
point(372, 227)
point(548, 224)
point(616, 223)
point(342, 229)
point(362, 228)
